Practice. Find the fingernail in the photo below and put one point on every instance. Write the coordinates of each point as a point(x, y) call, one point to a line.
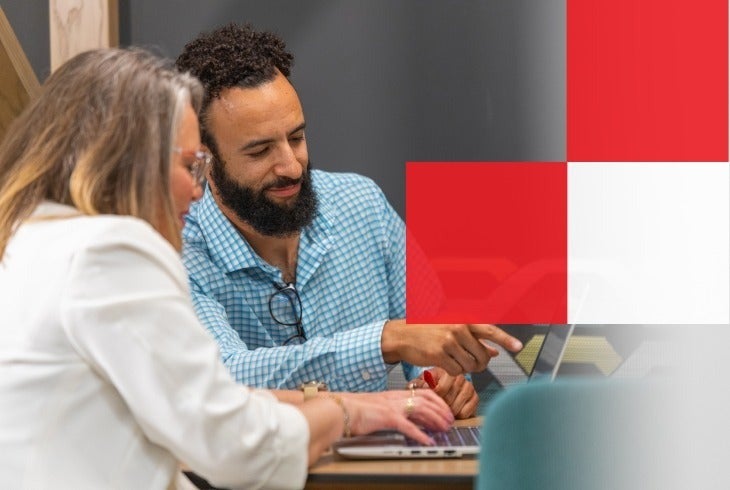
point(517, 345)
point(429, 379)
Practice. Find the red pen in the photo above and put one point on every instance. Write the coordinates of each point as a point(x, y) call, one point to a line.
point(429, 379)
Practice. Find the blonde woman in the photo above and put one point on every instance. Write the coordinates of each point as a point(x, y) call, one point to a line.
point(107, 380)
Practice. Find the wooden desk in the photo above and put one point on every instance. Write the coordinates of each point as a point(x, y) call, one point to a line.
point(424, 474)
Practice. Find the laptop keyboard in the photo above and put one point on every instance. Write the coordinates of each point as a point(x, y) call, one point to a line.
point(455, 437)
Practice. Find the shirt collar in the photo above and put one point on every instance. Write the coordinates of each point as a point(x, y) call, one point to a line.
point(48, 209)
point(225, 244)
point(315, 241)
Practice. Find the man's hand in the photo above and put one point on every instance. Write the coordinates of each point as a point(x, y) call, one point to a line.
point(457, 348)
point(458, 393)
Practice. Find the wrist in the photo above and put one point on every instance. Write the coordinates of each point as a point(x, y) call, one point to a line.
point(346, 426)
point(310, 389)
point(390, 341)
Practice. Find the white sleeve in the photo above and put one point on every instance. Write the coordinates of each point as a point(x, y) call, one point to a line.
point(128, 314)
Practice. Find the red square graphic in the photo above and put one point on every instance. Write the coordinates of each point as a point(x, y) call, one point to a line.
point(487, 242)
point(647, 80)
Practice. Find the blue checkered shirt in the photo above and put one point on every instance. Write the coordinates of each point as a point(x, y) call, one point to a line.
point(350, 278)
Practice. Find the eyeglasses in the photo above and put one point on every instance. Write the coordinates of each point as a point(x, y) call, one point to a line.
point(199, 166)
point(285, 307)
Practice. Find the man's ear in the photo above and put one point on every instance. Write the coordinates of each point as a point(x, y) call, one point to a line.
point(205, 148)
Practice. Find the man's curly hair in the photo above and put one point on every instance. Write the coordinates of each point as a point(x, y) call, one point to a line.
point(234, 55)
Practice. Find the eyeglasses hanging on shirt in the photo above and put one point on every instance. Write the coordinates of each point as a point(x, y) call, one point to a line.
point(285, 307)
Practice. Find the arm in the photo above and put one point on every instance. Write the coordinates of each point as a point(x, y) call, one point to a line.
point(393, 239)
point(126, 312)
point(349, 359)
point(456, 348)
point(340, 360)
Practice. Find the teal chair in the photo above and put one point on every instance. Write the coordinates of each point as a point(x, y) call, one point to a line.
point(580, 434)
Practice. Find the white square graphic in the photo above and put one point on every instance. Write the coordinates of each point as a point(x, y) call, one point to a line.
point(649, 242)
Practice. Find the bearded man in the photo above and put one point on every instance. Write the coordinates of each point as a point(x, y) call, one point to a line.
point(299, 274)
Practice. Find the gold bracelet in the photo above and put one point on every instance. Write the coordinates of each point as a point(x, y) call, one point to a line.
point(345, 413)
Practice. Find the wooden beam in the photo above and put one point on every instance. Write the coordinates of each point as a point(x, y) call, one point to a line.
point(18, 83)
point(80, 25)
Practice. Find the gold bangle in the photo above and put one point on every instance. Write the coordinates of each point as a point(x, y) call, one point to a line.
point(346, 415)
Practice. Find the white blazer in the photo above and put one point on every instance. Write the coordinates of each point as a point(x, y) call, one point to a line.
point(108, 380)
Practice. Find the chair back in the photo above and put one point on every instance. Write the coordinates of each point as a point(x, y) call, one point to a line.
point(578, 434)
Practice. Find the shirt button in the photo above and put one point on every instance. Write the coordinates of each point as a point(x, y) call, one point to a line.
point(365, 374)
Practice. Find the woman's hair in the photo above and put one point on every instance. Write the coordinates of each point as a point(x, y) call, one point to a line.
point(99, 138)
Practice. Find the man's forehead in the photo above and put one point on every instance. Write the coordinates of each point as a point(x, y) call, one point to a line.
point(235, 107)
point(230, 100)
point(275, 95)
point(266, 112)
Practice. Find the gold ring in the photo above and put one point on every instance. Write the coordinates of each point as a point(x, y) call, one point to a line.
point(410, 406)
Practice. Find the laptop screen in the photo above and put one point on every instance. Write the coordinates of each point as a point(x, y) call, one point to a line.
point(551, 352)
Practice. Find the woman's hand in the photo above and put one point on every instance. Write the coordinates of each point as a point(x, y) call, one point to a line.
point(398, 410)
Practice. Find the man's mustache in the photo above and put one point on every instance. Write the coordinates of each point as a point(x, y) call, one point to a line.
point(282, 182)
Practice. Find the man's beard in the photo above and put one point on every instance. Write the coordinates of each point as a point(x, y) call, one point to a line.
point(263, 215)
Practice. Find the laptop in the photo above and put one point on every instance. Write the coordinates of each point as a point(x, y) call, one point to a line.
point(458, 441)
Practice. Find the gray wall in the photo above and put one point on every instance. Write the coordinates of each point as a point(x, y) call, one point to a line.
point(29, 20)
point(385, 81)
